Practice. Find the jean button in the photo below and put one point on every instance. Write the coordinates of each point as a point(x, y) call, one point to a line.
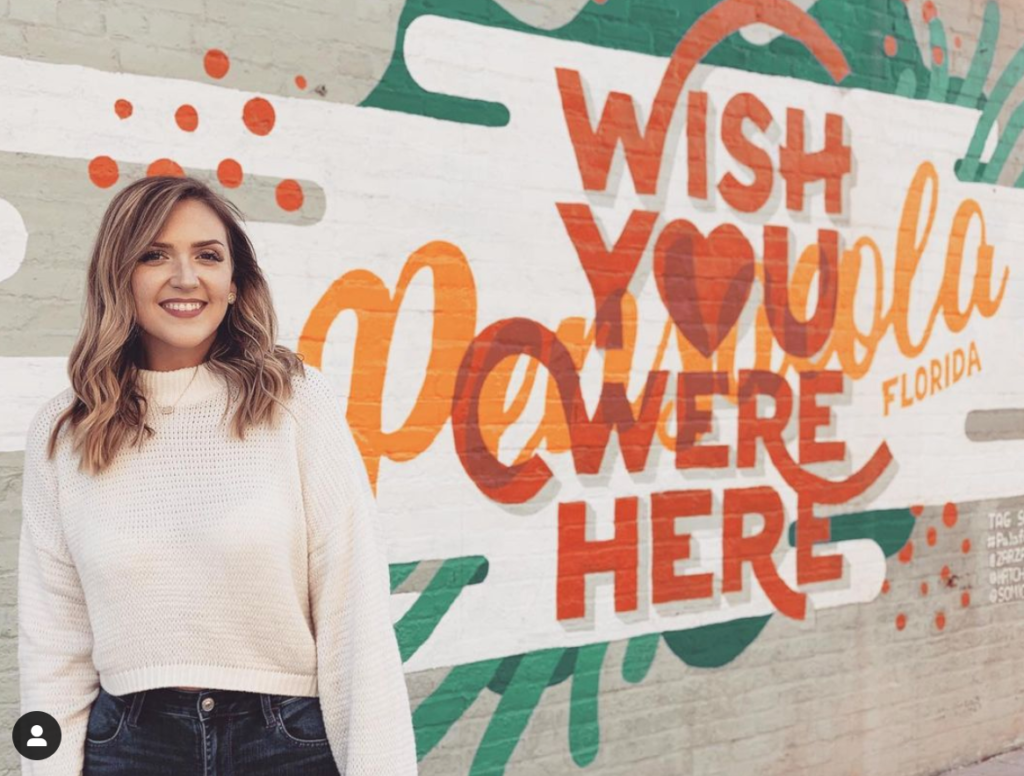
point(207, 704)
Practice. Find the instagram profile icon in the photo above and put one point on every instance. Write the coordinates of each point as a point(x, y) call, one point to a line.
point(36, 735)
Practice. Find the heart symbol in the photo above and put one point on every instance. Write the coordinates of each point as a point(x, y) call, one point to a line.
point(703, 281)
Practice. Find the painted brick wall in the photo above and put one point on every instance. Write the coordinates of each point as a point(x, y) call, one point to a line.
point(506, 231)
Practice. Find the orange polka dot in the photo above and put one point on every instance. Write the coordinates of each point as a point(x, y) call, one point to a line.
point(258, 115)
point(965, 599)
point(289, 195)
point(907, 553)
point(123, 108)
point(901, 621)
point(940, 621)
point(958, 41)
point(916, 510)
point(165, 167)
point(928, 11)
point(187, 118)
point(938, 55)
point(924, 588)
point(889, 46)
point(949, 515)
point(945, 573)
point(229, 173)
point(103, 172)
point(300, 81)
point(933, 536)
point(966, 546)
point(216, 63)
point(886, 586)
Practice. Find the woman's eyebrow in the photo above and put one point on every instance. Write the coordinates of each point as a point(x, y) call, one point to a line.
point(199, 244)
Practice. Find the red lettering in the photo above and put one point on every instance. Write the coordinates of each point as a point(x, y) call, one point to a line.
point(609, 272)
point(831, 164)
point(578, 557)
point(693, 421)
point(747, 198)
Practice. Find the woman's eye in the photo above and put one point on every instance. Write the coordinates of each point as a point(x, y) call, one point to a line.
point(211, 255)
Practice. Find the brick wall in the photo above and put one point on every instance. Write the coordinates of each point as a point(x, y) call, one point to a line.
point(549, 215)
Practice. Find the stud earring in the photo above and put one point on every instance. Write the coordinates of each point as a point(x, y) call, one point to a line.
point(231, 298)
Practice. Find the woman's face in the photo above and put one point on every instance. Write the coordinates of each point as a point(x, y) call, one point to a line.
point(188, 260)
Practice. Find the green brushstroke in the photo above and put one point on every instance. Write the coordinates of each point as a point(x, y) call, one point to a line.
point(939, 86)
point(640, 652)
point(517, 703)
point(989, 172)
point(967, 170)
point(400, 572)
point(584, 729)
point(712, 646)
point(907, 85)
point(888, 528)
point(655, 27)
point(433, 603)
point(971, 92)
point(448, 702)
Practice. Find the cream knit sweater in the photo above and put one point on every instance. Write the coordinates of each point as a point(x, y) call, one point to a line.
point(202, 560)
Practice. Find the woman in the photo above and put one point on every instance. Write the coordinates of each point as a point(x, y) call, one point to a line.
point(199, 595)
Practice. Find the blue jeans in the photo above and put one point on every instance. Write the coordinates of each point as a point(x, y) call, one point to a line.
point(168, 732)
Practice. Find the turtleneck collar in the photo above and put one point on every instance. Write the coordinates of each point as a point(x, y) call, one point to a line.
point(165, 387)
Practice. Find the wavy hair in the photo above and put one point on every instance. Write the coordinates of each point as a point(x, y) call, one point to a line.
point(109, 408)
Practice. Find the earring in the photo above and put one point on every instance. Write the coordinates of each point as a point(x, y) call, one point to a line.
point(231, 298)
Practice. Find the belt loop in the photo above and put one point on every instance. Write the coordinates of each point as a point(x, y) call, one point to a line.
point(133, 715)
point(268, 713)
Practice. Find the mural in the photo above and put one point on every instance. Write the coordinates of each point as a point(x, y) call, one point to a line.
point(654, 321)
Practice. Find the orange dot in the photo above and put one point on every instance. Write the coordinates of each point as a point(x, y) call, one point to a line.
point(187, 118)
point(965, 599)
point(216, 63)
point(928, 11)
point(945, 573)
point(300, 81)
point(938, 55)
point(901, 621)
point(123, 108)
point(289, 195)
point(890, 46)
point(966, 546)
point(958, 41)
point(907, 553)
point(229, 173)
point(924, 588)
point(165, 167)
point(933, 536)
point(949, 515)
point(916, 510)
point(886, 586)
point(940, 621)
point(103, 171)
point(258, 115)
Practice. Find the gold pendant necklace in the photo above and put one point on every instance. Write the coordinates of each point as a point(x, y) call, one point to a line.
point(168, 409)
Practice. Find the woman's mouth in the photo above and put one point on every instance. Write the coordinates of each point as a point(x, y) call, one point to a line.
point(183, 309)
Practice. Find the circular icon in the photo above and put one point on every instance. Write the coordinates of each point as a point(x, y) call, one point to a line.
point(36, 735)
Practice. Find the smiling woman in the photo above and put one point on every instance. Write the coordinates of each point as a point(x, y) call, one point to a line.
point(186, 276)
point(235, 573)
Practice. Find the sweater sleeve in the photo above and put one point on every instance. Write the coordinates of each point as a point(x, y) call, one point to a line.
point(361, 684)
point(54, 634)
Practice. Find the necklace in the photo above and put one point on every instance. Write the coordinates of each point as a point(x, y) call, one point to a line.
point(167, 410)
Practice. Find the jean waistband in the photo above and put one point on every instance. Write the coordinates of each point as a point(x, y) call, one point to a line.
point(203, 704)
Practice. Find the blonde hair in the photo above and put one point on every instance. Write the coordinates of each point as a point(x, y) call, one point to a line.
point(109, 410)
